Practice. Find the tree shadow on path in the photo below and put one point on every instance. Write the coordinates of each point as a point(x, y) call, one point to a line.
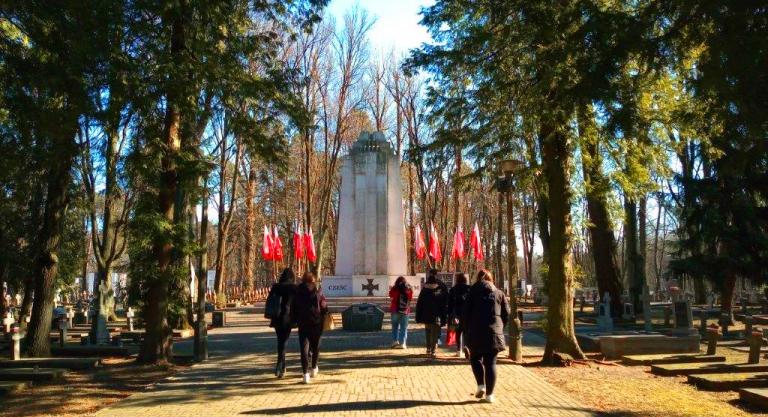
point(377, 405)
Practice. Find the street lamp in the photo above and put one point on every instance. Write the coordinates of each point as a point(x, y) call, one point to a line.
point(508, 168)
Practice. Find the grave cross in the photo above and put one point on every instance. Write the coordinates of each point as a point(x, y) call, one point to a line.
point(16, 336)
point(370, 287)
point(8, 322)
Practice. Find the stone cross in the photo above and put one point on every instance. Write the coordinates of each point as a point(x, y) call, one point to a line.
point(604, 319)
point(647, 318)
point(755, 344)
point(130, 314)
point(8, 322)
point(63, 327)
point(713, 335)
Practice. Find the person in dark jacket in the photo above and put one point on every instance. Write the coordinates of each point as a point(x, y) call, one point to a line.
point(431, 310)
point(309, 309)
point(400, 307)
point(486, 312)
point(285, 288)
point(456, 299)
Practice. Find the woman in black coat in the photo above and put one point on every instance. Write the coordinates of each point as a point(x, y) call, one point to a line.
point(285, 289)
point(457, 296)
point(431, 310)
point(309, 309)
point(486, 313)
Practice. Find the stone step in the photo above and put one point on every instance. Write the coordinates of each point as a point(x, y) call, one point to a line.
point(648, 360)
point(91, 351)
point(757, 397)
point(706, 368)
point(729, 381)
point(8, 387)
point(34, 375)
point(59, 363)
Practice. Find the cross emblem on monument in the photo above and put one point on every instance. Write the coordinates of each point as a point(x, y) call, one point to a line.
point(370, 286)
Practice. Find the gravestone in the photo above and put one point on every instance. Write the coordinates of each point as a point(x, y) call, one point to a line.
point(63, 327)
point(681, 311)
point(70, 315)
point(713, 335)
point(219, 318)
point(764, 305)
point(16, 336)
point(744, 301)
point(129, 315)
point(582, 301)
point(755, 340)
point(711, 300)
point(647, 317)
point(604, 319)
point(667, 316)
point(99, 334)
point(748, 321)
point(629, 311)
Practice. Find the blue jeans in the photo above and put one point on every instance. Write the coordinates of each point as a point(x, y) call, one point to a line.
point(399, 327)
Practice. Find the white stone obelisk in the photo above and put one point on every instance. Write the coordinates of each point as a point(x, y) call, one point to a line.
point(370, 251)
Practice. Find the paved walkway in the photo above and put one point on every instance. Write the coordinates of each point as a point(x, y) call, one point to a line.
point(359, 376)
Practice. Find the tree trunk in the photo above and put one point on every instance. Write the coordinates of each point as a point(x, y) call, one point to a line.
point(726, 297)
point(47, 260)
point(157, 345)
point(631, 251)
point(600, 227)
point(249, 259)
point(561, 336)
point(201, 337)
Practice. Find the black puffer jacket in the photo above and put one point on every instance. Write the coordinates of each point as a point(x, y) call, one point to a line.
point(431, 306)
point(486, 313)
point(286, 291)
point(309, 307)
point(457, 297)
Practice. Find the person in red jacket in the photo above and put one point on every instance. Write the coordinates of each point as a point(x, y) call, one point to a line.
point(400, 307)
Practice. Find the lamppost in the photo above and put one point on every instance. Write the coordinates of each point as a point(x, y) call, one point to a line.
point(505, 184)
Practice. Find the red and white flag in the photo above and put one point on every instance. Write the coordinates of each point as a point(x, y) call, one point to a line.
point(474, 243)
point(418, 243)
point(457, 252)
point(266, 247)
point(277, 245)
point(309, 245)
point(298, 243)
point(434, 243)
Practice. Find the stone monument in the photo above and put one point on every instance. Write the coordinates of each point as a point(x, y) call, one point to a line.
point(370, 251)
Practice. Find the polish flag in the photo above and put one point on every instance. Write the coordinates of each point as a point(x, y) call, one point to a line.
point(434, 243)
point(474, 243)
point(309, 245)
point(457, 252)
point(277, 246)
point(418, 243)
point(298, 244)
point(266, 248)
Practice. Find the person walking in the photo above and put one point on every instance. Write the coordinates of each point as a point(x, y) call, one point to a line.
point(309, 309)
point(486, 312)
point(456, 299)
point(400, 307)
point(278, 310)
point(431, 310)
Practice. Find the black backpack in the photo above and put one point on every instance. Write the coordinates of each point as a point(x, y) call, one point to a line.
point(273, 304)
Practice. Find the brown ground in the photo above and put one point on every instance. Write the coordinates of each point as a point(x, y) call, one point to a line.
point(83, 392)
point(632, 391)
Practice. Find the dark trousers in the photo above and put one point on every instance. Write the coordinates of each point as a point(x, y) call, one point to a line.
point(484, 368)
point(459, 338)
point(283, 333)
point(309, 340)
point(433, 334)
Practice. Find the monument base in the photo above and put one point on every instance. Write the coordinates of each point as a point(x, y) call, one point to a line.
point(364, 285)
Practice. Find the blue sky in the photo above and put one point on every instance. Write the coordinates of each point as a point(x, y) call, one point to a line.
point(397, 22)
